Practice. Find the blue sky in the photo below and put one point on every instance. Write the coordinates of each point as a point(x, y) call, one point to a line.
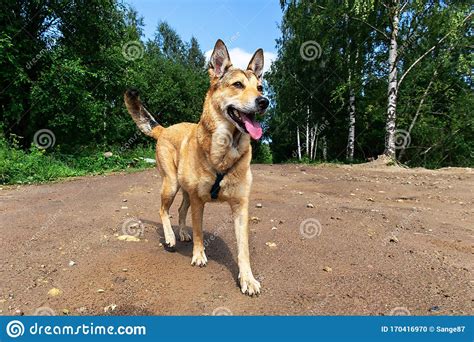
point(244, 25)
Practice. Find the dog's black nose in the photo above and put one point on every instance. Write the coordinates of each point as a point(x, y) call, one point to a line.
point(262, 102)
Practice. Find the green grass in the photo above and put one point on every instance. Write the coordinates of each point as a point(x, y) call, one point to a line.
point(18, 166)
point(35, 165)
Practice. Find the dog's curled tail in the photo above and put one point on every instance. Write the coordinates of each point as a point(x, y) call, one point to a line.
point(144, 120)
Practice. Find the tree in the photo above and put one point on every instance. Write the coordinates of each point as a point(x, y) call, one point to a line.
point(24, 50)
point(195, 57)
point(66, 68)
point(421, 48)
point(169, 42)
point(69, 71)
point(410, 9)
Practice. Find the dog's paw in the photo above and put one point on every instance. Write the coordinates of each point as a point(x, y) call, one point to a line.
point(249, 285)
point(169, 248)
point(199, 259)
point(170, 239)
point(184, 235)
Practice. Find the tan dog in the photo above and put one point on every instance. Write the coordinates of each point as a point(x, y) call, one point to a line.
point(210, 160)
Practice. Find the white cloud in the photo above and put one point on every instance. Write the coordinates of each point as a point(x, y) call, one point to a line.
point(241, 58)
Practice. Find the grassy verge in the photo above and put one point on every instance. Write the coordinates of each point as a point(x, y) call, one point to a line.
point(38, 166)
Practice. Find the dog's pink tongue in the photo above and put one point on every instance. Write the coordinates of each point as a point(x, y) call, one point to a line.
point(253, 127)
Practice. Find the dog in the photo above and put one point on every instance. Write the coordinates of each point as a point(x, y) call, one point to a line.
point(210, 161)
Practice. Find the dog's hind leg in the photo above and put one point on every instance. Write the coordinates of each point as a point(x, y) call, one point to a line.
point(197, 212)
point(183, 212)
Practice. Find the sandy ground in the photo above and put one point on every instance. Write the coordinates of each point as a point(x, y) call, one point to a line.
point(377, 241)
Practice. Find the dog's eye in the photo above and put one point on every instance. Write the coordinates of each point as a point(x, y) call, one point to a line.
point(260, 88)
point(238, 85)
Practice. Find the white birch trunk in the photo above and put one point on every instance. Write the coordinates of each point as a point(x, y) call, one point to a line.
point(325, 148)
point(351, 134)
point(307, 131)
point(390, 126)
point(352, 120)
point(352, 111)
point(313, 141)
point(316, 140)
point(298, 141)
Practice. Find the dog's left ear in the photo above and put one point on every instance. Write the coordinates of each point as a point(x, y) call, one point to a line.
point(220, 60)
point(256, 63)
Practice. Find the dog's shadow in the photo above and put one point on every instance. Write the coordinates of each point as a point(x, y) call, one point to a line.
point(216, 248)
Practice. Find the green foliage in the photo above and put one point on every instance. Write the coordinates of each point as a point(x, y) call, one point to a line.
point(84, 56)
point(64, 66)
point(35, 165)
point(261, 153)
point(351, 53)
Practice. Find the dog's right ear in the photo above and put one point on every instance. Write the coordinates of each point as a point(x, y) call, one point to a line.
point(220, 60)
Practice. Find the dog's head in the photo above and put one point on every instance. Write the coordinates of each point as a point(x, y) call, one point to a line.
point(235, 93)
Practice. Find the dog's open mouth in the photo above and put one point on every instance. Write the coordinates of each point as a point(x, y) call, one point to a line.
point(246, 122)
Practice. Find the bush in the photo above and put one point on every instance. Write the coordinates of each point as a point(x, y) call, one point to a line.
point(261, 153)
point(36, 165)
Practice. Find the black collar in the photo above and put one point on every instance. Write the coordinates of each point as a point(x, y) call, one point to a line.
point(217, 185)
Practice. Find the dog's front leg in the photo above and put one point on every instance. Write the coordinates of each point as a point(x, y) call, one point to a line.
point(248, 283)
point(197, 212)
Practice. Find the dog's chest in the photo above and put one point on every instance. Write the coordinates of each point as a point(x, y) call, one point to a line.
point(224, 188)
point(197, 173)
point(226, 149)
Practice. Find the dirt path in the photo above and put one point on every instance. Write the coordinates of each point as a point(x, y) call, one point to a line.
point(388, 238)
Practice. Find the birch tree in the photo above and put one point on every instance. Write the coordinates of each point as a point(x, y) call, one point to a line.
point(370, 77)
point(390, 126)
point(396, 9)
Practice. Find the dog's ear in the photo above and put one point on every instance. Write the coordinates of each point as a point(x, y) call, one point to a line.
point(256, 63)
point(220, 60)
